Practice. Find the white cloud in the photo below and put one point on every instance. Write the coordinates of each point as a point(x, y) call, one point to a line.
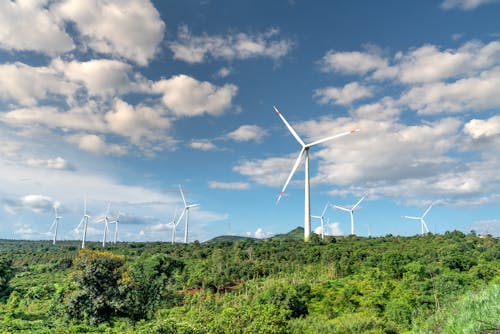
point(473, 93)
point(95, 144)
point(37, 203)
point(344, 96)
point(229, 185)
point(195, 49)
point(247, 133)
point(203, 145)
point(28, 25)
point(223, 72)
point(260, 234)
point(103, 77)
point(465, 4)
point(354, 62)
point(28, 85)
point(186, 96)
point(142, 124)
point(385, 109)
point(270, 171)
point(478, 128)
point(330, 229)
point(55, 163)
point(132, 29)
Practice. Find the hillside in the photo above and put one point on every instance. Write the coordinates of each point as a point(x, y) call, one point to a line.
point(242, 285)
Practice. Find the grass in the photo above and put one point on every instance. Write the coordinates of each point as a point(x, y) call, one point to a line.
point(475, 312)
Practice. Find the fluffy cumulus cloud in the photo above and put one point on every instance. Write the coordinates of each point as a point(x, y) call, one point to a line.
point(229, 185)
point(186, 96)
point(142, 124)
point(95, 144)
point(104, 77)
point(195, 49)
point(330, 229)
point(140, 26)
point(468, 94)
point(247, 133)
point(17, 19)
point(478, 128)
point(465, 4)
point(346, 95)
point(27, 85)
point(352, 62)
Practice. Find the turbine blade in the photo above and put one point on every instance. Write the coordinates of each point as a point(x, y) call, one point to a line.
point(290, 127)
point(341, 208)
point(411, 217)
point(428, 209)
point(295, 166)
point(324, 210)
point(332, 137)
point(52, 226)
point(318, 217)
point(182, 195)
point(81, 222)
point(193, 205)
point(425, 225)
point(180, 217)
point(359, 202)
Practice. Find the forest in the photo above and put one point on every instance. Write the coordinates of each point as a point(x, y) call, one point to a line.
point(447, 283)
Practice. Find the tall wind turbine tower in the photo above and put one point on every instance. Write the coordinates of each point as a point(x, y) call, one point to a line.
point(85, 222)
point(423, 225)
point(304, 154)
point(351, 211)
point(55, 223)
point(185, 211)
point(105, 219)
point(322, 220)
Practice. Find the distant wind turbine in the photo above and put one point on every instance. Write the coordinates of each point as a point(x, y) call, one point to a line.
point(105, 219)
point(55, 223)
point(85, 222)
point(422, 221)
point(185, 211)
point(304, 152)
point(173, 225)
point(351, 211)
point(115, 221)
point(322, 220)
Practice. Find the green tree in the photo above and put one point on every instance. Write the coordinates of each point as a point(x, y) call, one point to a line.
point(96, 292)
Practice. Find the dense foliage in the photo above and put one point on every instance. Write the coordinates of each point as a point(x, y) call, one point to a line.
point(280, 285)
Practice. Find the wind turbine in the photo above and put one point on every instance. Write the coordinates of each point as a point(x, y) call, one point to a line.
point(85, 222)
point(351, 211)
point(55, 223)
point(105, 218)
point(305, 152)
point(321, 218)
point(185, 211)
point(173, 225)
point(115, 221)
point(422, 221)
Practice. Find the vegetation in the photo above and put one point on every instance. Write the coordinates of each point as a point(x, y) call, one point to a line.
point(425, 284)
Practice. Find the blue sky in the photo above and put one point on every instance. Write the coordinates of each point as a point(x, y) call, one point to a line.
point(123, 101)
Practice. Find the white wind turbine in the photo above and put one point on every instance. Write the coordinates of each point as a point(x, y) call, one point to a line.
point(55, 223)
point(305, 152)
point(423, 225)
point(85, 222)
point(105, 219)
point(322, 220)
point(185, 211)
point(115, 221)
point(173, 225)
point(351, 211)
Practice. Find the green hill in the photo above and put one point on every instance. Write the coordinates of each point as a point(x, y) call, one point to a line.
point(295, 234)
point(229, 238)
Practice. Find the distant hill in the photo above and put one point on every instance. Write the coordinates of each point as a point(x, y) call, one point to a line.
point(295, 234)
point(229, 238)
